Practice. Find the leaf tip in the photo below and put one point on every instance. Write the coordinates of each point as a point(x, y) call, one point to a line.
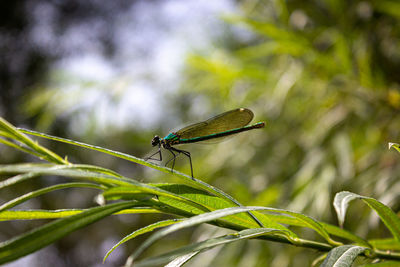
point(395, 145)
point(99, 199)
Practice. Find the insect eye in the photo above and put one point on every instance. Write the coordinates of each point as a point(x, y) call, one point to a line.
point(155, 141)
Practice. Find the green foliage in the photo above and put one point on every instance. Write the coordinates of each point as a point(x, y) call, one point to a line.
point(342, 256)
point(47, 234)
point(141, 231)
point(395, 146)
point(324, 75)
point(201, 202)
point(389, 218)
point(204, 245)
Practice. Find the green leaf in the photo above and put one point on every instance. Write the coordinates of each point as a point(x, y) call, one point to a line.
point(9, 215)
point(206, 245)
point(148, 189)
point(383, 264)
point(26, 197)
point(33, 170)
point(311, 223)
point(202, 218)
point(92, 147)
point(389, 218)
point(211, 202)
point(395, 146)
point(180, 261)
point(42, 236)
point(385, 244)
point(17, 146)
point(12, 215)
point(331, 229)
point(10, 131)
point(337, 231)
point(38, 167)
point(215, 203)
point(141, 231)
point(342, 256)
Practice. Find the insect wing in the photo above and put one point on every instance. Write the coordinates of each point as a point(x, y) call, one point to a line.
point(229, 120)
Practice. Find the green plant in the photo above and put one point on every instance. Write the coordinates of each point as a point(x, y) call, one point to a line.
point(194, 202)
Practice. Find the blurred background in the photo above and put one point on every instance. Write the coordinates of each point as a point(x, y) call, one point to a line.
point(324, 75)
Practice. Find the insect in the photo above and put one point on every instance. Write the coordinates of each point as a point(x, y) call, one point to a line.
point(214, 129)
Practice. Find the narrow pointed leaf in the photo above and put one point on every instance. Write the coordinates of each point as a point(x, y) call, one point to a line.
point(385, 244)
point(342, 256)
point(214, 203)
point(40, 237)
point(36, 148)
point(389, 218)
point(331, 229)
point(144, 188)
point(60, 170)
point(180, 261)
point(12, 215)
point(141, 231)
point(395, 146)
point(206, 245)
point(211, 202)
point(26, 197)
point(202, 218)
point(383, 264)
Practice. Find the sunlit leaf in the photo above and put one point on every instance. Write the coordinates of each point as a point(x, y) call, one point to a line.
point(389, 218)
point(40, 237)
point(140, 231)
point(202, 218)
point(23, 198)
point(385, 244)
point(342, 256)
point(180, 261)
point(205, 245)
point(395, 146)
point(11, 215)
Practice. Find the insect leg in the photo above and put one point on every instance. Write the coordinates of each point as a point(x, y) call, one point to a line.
point(187, 154)
point(151, 157)
point(173, 160)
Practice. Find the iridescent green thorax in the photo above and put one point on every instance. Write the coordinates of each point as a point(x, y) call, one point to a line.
point(171, 139)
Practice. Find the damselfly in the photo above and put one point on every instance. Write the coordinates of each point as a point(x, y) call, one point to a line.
point(217, 128)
